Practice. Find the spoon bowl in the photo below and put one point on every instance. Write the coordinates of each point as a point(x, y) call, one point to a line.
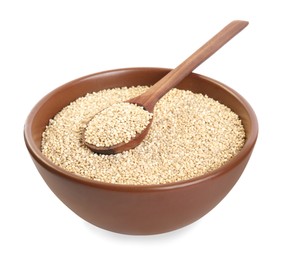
point(121, 147)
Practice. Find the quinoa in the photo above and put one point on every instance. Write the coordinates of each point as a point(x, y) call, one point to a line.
point(117, 124)
point(191, 135)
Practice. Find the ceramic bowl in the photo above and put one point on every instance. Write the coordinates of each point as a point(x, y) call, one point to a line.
point(131, 209)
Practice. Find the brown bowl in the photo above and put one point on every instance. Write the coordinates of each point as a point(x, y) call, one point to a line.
point(138, 209)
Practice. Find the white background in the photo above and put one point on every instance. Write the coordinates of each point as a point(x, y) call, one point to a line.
point(44, 44)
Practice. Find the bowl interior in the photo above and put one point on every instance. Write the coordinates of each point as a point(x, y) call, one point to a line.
point(52, 103)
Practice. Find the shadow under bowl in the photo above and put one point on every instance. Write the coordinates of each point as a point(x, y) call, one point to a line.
point(137, 209)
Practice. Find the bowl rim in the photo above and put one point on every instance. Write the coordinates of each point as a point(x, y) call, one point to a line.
point(37, 155)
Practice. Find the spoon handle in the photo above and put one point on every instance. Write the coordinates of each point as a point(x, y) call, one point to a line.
point(159, 89)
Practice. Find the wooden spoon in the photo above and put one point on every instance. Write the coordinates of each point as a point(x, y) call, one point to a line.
point(148, 99)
